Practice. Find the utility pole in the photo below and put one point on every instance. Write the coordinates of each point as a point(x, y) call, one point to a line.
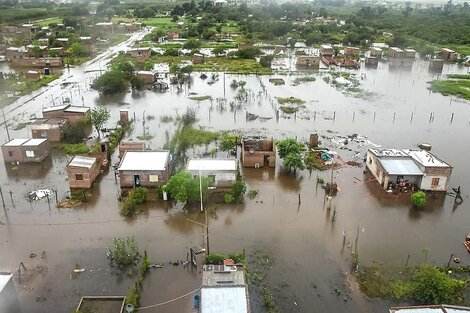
point(6, 126)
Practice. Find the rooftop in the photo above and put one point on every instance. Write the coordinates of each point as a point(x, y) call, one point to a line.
point(77, 109)
point(140, 49)
point(448, 50)
point(15, 142)
point(326, 47)
point(223, 276)
point(442, 308)
point(34, 142)
point(144, 161)
point(224, 300)
point(212, 165)
point(388, 152)
point(400, 166)
point(396, 49)
point(56, 108)
point(425, 158)
point(82, 161)
point(4, 279)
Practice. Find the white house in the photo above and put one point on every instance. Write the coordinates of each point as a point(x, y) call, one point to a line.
point(221, 172)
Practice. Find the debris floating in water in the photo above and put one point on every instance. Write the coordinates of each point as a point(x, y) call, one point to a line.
point(40, 194)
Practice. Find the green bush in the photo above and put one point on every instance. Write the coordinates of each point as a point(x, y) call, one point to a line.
point(228, 198)
point(77, 131)
point(134, 197)
point(74, 149)
point(238, 190)
point(124, 251)
point(110, 83)
point(215, 258)
point(418, 199)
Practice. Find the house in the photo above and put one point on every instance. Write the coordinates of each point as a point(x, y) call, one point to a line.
point(148, 77)
point(130, 146)
point(394, 168)
point(222, 173)
point(82, 171)
point(376, 52)
point(32, 76)
point(111, 304)
point(144, 168)
point(198, 58)
point(224, 289)
point(53, 129)
point(280, 49)
point(71, 112)
point(448, 55)
point(401, 58)
point(173, 35)
point(410, 53)
point(311, 61)
point(352, 51)
point(8, 297)
point(25, 150)
point(327, 50)
point(258, 152)
point(396, 53)
point(371, 61)
point(141, 53)
point(440, 308)
point(244, 45)
point(436, 65)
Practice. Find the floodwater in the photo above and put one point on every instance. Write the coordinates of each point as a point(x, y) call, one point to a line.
point(310, 259)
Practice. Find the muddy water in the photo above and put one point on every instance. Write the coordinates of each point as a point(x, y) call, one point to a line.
point(304, 242)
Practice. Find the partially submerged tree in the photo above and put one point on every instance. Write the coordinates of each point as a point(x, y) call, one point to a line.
point(183, 187)
point(418, 199)
point(291, 151)
point(99, 117)
point(110, 83)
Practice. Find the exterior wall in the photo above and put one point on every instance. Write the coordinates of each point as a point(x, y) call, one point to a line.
point(327, 52)
point(34, 62)
point(140, 54)
point(371, 61)
point(352, 51)
point(71, 116)
point(309, 61)
point(436, 65)
point(16, 152)
point(19, 153)
point(222, 179)
point(126, 178)
point(443, 174)
point(146, 78)
point(265, 148)
point(198, 59)
point(448, 56)
point(32, 77)
point(375, 53)
point(401, 62)
point(89, 175)
point(373, 165)
point(52, 134)
point(130, 146)
point(395, 54)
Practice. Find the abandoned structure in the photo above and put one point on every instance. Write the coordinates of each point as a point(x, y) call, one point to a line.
point(53, 129)
point(141, 54)
point(420, 169)
point(82, 171)
point(258, 152)
point(311, 61)
point(224, 289)
point(32, 76)
point(71, 112)
point(111, 304)
point(222, 173)
point(25, 150)
point(448, 55)
point(147, 77)
point(327, 51)
point(144, 168)
point(198, 58)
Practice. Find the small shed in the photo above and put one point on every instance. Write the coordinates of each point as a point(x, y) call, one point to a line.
point(82, 171)
point(53, 129)
point(327, 50)
point(448, 55)
point(141, 53)
point(311, 61)
point(352, 51)
point(396, 53)
point(130, 146)
point(222, 173)
point(144, 168)
point(32, 76)
point(147, 77)
point(198, 58)
point(71, 112)
point(25, 150)
point(410, 53)
point(376, 52)
point(371, 61)
point(258, 152)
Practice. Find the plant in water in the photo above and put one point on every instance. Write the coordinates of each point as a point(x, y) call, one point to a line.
point(418, 199)
point(124, 251)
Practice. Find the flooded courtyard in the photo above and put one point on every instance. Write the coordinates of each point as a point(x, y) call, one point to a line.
point(306, 243)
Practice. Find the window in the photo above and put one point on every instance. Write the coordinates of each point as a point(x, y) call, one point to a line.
point(10, 153)
point(153, 178)
point(435, 182)
point(78, 176)
point(29, 153)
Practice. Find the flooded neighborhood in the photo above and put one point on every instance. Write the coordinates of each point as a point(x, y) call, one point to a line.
point(284, 189)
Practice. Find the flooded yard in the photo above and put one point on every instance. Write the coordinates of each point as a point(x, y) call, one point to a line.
point(306, 244)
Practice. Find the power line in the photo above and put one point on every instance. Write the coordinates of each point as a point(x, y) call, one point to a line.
point(169, 301)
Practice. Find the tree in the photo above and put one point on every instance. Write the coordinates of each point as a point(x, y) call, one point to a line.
point(110, 83)
point(77, 49)
point(294, 161)
point(192, 44)
point(288, 146)
point(99, 117)
point(228, 142)
point(126, 68)
point(183, 187)
point(218, 51)
point(418, 199)
point(266, 60)
point(248, 53)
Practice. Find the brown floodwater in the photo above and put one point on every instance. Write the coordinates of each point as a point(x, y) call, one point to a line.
point(310, 259)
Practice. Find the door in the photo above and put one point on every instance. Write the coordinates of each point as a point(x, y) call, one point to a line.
point(136, 181)
point(266, 160)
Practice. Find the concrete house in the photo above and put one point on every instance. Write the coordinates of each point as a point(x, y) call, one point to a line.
point(396, 53)
point(376, 52)
point(32, 76)
point(224, 289)
point(448, 55)
point(25, 150)
point(352, 51)
point(53, 129)
point(82, 171)
point(401, 58)
point(222, 173)
point(327, 51)
point(147, 77)
point(311, 61)
point(71, 112)
point(258, 152)
point(394, 168)
point(130, 146)
point(141, 53)
point(144, 168)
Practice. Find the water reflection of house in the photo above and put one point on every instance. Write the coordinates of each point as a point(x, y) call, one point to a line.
point(436, 65)
point(25, 150)
point(224, 289)
point(82, 171)
point(420, 168)
point(8, 297)
point(440, 308)
point(311, 61)
point(144, 168)
point(53, 129)
point(258, 152)
point(222, 173)
point(371, 61)
point(71, 112)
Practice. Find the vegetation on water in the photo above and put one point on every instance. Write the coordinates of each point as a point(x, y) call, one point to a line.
point(237, 194)
point(291, 152)
point(277, 81)
point(99, 117)
point(75, 149)
point(134, 197)
point(218, 259)
point(300, 80)
point(289, 100)
point(124, 251)
point(418, 199)
point(457, 85)
point(185, 187)
point(200, 98)
point(118, 79)
point(424, 284)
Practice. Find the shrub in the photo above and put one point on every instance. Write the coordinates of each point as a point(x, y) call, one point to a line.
point(238, 190)
point(418, 199)
point(77, 131)
point(228, 198)
point(135, 197)
point(215, 258)
point(252, 193)
point(74, 149)
point(124, 251)
point(110, 83)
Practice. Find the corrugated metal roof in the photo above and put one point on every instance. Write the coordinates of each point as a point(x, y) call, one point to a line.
point(212, 165)
point(223, 300)
point(82, 161)
point(144, 161)
point(400, 166)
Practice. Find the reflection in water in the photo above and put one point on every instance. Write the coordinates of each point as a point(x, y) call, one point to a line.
point(27, 171)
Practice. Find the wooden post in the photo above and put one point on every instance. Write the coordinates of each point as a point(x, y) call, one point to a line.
point(407, 259)
point(452, 118)
point(3, 202)
point(411, 120)
point(334, 115)
point(374, 116)
point(354, 115)
point(56, 199)
point(394, 114)
point(450, 259)
point(11, 197)
point(6, 125)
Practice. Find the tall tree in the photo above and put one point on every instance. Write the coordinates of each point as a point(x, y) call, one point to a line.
point(98, 118)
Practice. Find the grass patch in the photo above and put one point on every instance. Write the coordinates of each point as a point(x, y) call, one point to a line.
point(455, 87)
point(290, 100)
point(300, 80)
point(145, 137)
point(288, 109)
point(459, 76)
point(74, 149)
point(200, 98)
point(277, 81)
point(47, 21)
point(24, 87)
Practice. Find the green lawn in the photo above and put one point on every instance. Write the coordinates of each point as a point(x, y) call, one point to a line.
point(462, 49)
point(47, 21)
point(455, 87)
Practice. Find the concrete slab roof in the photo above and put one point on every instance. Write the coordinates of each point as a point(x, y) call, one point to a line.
point(15, 142)
point(34, 142)
point(4, 279)
point(224, 300)
point(144, 161)
point(82, 161)
point(426, 159)
point(77, 109)
point(212, 165)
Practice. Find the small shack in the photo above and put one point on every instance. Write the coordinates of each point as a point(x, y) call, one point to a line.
point(311, 61)
point(141, 53)
point(448, 55)
point(352, 51)
point(147, 77)
point(71, 112)
point(198, 58)
point(32, 76)
point(376, 52)
point(144, 168)
point(25, 150)
point(371, 61)
point(222, 173)
point(53, 129)
point(327, 51)
point(130, 146)
point(258, 152)
point(82, 171)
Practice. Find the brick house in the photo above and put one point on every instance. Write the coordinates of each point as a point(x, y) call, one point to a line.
point(53, 129)
point(144, 168)
point(147, 77)
point(311, 61)
point(130, 146)
point(25, 150)
point(82, 171)
point(352, 51)
point(141, 53)
point(376, 52)
point(327, 50)
point(32, 76)
point(222, 173)
point(258, 152)
point(71, 112)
